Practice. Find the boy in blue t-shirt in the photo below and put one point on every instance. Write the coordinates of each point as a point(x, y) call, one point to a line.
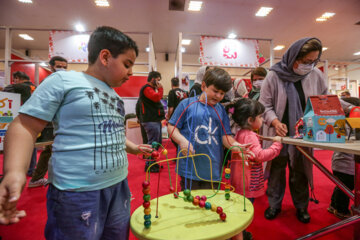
point(200, 123)
point(88, 196)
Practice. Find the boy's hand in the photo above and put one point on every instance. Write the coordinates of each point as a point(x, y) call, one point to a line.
point(145, 148)
point(184, 146)
point(10, 191)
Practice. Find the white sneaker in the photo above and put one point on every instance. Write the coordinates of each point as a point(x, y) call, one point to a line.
point(38, 183)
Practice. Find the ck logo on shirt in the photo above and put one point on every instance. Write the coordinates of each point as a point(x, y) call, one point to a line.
point(207, 138)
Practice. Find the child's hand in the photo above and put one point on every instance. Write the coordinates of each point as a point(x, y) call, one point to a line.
point(277, 139)
point(246, 150)
point(145, 148)
point(184, 146)
point(10, 191)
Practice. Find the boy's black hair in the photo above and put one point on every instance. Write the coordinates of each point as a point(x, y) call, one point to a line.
point(219, 78)
point(109, 38)
point(56, 58)
point(152, 75)
point(175, 82)
point(245, 108)
point(20, 75)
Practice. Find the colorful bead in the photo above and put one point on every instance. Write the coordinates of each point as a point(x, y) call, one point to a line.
point(196, 201)
point(197, 197)
point(145, 184)
point(155, 155)
point(147, 224)
point(213, 207)
point(223, 216)
point(176, 195)
point(203, 198)
point(201, 204)
point(227, 196)
point(227, 170)
point(164, 152)
point(190, 198)
point(147, 197)
point(147, 211)
point(154, 144)
point(186, 192)
point(227, 176)
point(219, 210)
point(146, 204)
point(171, 189)
point(207, 206)
point(227, 190)
point(147, 217)
point(146, 191)
point(227, 186)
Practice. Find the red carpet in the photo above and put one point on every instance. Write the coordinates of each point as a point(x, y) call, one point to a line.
point(284, 227)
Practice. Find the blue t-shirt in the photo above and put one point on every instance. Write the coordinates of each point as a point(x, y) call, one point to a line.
point(200, 124)
point(88, 116)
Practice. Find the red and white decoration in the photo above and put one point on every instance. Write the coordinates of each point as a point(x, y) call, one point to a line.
point(70, 45)
point(217, 51)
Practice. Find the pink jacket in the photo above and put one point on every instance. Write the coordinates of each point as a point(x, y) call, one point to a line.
point(253, 174)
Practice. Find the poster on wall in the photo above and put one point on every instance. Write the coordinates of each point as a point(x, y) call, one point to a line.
point(70, 45)
point(9, 108)
point(217, 51)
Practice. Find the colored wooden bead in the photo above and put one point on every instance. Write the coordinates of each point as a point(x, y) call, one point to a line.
point(203, 198)
point(147, 224)
point(171, 189)
point(227, 190)
point(154, 144)
point(164, 152)
point(186, 192)
point(207, 205)
point(147, 211)
point(227, 196)
point(147, 217)
point(219, 210)
point(227, 186)
point(196, 201)
point(223, 216)
point(176, 195)
point(190, 198)
point(227, 176)
point(227, 170)
point(146, 190)
point(213, 207)
point(155, 155)
point(201, 204)
point(147, 197)
point(197, 197)
point(146, 204)
point(185, 199)
point(145, 184)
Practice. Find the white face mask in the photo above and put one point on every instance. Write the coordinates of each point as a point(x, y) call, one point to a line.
point(59, 69)
point(304, 69)
point(258, 83)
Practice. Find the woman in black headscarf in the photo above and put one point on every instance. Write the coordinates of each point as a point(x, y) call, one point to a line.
point(284, 93)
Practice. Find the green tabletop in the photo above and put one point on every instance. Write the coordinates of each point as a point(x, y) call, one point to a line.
point(182, 220)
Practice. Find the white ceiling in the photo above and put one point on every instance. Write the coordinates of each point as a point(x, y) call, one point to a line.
point(289, 21)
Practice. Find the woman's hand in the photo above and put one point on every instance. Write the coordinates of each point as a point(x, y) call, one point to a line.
point(281, 128)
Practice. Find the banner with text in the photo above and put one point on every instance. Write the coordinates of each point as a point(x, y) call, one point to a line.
point(69, 45)
point(217, 51)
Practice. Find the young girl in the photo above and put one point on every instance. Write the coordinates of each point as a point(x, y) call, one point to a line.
point(247, 114)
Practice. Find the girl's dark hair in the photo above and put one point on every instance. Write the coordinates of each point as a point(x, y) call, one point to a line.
point(219, 78)
point(109, 38)
point(245, 108)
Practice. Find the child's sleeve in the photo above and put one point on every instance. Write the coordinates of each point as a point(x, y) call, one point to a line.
point(261, 154)
point(46, 99)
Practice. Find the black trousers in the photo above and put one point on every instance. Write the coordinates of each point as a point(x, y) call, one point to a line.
point(339, 200)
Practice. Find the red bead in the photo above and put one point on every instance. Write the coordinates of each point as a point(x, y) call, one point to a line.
point(201, 204)
point(176, 195)
point(155, 155)
point(172, 190)
point(219, 210)
point(223, 216)
point(203, 198)
point(146, 204)
point(146, 190)
point(197, 197)
point(145, 184)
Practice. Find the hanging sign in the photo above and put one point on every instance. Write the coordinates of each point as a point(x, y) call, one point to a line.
point(69, 45)
point(217, 51)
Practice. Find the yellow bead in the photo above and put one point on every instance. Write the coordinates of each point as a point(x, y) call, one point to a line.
point(227, 170)
point(164, 152)
point(213, 207)
point(147, 211)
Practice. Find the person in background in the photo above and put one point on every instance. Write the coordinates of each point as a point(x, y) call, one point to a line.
point(38, 179)
point(240, 89)
point(23, 86)
point(88, 196)
point(152, 111)
point(345, 94)
point(196, 90)
point(257, 78)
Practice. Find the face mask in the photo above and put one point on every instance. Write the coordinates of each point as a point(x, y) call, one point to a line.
point(258, 83)
point(59, 69)
point(304, 69)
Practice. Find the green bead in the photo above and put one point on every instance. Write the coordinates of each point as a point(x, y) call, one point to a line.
point(227, 196)
point(227, 190)
point(154, 144)
point(207, 205)
point(227, 176)
point(147, 217)
point(185, 199)
point(147, 224)
point(190, 198)
point(187, 192)
point(147, 197)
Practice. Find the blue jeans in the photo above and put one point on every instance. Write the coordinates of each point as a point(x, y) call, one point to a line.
point(153, 131)
point(91, 215)
point(32, 163)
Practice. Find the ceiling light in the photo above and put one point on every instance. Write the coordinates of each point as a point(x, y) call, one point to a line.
point(26, 1)
point(324, 49)
point(279, 47)
point(185, 42)
point(79, 27)
point(195, 6)
point(183, 49)
point(102, 3)
point(336, 68)
point(263, 11)
point(147, 49)
point(357, 53)
point(325, 17)
point(232, 35)
point(43, 64)
point(26, 37)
